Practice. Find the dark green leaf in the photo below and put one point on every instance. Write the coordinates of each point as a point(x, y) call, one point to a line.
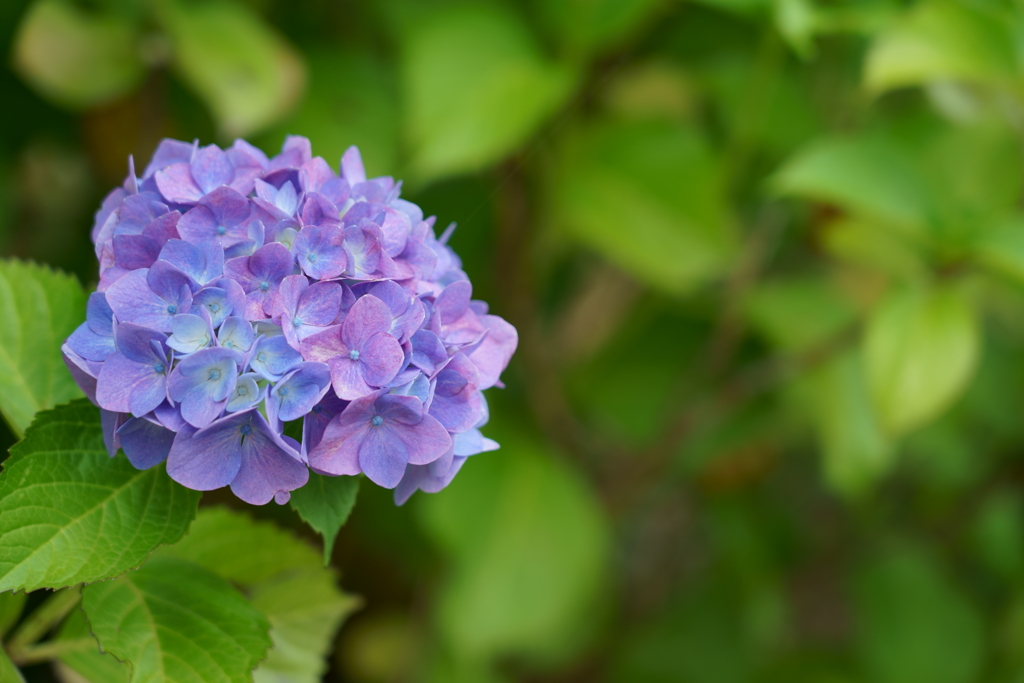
point(325, 503)
point(915, 625)
point(11, 605)
point(175, 621)
point(76, 58)
point(244, 71)
point(40, 307)
point(476, 87)
point(70, 514)
point(649, 198)
point(585, 26)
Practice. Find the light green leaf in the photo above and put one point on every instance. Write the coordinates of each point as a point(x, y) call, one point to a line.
point(585, 26)
point(174, 621)
point(71, 514)
point(915, 625)
point(528, 543)
point(325, 504)
point(40, 308)
point(920, 351)
point(476, 87)
point(11, 605)
point(855, 449)
point(86, 659)
point(305, 609)
point(798, 313)
point(8, 672)
point(247, 74)
point(1001, 248)
point(74, 57)
point(869, 175)
point(242, 550)
point(649, 198)
point(942, 40)
point(286, 582)
point(869, 244)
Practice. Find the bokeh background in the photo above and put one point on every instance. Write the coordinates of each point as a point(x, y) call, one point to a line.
point(766, 259)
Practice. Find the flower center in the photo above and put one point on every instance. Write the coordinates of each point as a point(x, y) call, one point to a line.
point(353, 354)
point(264, 286)
point(221, 230)
point(377, 421)
point(296, 322)
point(159, 367)
point(283, 391)
point(214, 374)
point(214, 308)
point(229, 344)
point(318, 409)
point(312, 258)
point(245, 429)
point(242, 391)
point(172, 309)
point(262, 357)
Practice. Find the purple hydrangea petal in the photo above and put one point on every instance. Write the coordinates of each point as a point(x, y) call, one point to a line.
point(491, 357)
point(84, 377)
point(320, 252)
point(383, 456)
point(211, 168)
point(132, 298)
point(273, 358)
point(190, 333)
point(298, 391)
point(219, 216)
point(245, 395)
point(177, 185)
point(202, 383)
point(337, 452)
point(363, 251)
point(145, 443)
point(202, 262)
point(118, 378)
point(457, 402)
point(270, 468)
point(209, 458)
point(421, 478)
point(314, 424)
point(237, 334)
point(473, 442)
point(135, 251)
point(89, 345)
point(369, 316)
point(352, 169)
point(381, 358)
point(169, 152)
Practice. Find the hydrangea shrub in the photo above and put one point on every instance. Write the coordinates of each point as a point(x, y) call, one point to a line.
point(238, 293)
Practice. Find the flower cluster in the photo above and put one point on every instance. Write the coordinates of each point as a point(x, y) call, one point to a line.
point(238, 293)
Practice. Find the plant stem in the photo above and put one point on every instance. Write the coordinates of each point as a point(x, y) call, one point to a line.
point(34, 654)
point(42, 621)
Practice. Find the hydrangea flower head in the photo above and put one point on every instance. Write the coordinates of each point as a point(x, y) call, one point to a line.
point(238, 293)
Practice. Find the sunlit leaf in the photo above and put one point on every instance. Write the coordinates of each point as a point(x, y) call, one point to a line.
point(476, 87)
point(325, 504)
point(245, 72)
point(798, 313)
point(855, 449)
point(920, 351)
point(584, 26)
point(69, 513)
point(40, 307)
point(649, 198)
point(77, 58)
point(942, 39)
point(915, 626)
point(527, 543)
point(174, 621)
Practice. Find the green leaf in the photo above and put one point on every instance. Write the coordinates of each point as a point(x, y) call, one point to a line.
point(869, 175)
point(234, 546)
point(40, 308)
point(305, 609)
point(855, 449)
point(943, 40)
point(915, 625)
point(351, 100)
point(798, 313)
point(528, 543)
point(175, 621)
point(585, 26)
point(920, 351)
point(286, 582)
point(77, 58)
point(325, 504)
point(86, 659)
point(476, 87)
point(71, 514)
point(649, 198)
point(11, 605)
point(8, 672)
point(247, 74)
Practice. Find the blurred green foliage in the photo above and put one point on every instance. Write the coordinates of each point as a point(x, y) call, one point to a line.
point(766, 258)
